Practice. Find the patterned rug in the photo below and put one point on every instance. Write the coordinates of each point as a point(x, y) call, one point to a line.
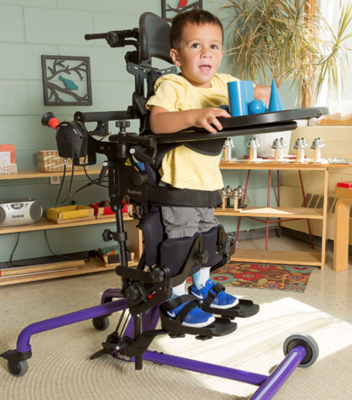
point(263, 276)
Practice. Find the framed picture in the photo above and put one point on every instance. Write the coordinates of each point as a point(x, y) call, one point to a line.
point(66, 81)
point(170, 8)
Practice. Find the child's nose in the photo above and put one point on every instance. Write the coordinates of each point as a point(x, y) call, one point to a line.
point(206, 53)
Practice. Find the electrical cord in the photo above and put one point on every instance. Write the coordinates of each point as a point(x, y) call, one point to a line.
point(73, 169)
point(62, 183)
point(60, 255)
point(85, 171)
point(47, 241)
point(13, 252)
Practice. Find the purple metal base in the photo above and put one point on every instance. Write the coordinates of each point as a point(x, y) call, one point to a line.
point(268, 385)
point(68, 319)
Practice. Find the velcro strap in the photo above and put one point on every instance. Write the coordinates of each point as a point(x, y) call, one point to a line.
point(171, 305)
point(214, 292)
point(186, 310)
point(170, 196)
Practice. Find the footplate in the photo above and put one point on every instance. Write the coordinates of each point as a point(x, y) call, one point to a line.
point(244, 309)
point(220, 327)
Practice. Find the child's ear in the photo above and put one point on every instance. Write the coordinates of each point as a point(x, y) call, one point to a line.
point(175, 58)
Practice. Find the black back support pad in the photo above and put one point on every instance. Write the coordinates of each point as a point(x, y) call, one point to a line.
point(210, 239)
point(174, 252)
point(154, 35)
point(153, 235)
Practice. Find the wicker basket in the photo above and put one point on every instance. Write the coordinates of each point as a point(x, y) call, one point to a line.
point(50, 161)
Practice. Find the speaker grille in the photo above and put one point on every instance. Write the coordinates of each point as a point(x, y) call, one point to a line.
point(36, 211)
point(2, 215)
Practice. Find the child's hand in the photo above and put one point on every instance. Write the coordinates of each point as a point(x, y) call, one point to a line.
point(210, 115)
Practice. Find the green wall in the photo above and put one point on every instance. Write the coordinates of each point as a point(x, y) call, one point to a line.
point(31, 28)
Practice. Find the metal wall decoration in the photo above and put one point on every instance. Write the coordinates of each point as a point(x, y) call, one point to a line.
point(178, 6)
point(66, 81)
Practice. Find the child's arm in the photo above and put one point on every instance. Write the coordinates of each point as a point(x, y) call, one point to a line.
point(164, 121)
point(262, 93)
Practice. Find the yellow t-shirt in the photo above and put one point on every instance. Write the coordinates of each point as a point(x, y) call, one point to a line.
point(182, 167)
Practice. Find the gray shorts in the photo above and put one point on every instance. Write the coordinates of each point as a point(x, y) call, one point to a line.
point(186, 221)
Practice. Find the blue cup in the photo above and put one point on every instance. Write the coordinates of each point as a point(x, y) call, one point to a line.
point(241, 93)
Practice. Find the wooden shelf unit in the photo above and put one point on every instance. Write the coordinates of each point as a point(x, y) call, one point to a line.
point(313, 258)
point(134, 242)
point(90, 267)
point(44, 224)
point(32, 173)
point(274, 212)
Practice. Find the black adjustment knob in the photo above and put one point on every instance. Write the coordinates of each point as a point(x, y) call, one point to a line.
point(133, 293)
point(139, 178)
point(157, 275)
point(122, 125)
point(46, 118)
point(203, 257)
point(107, 235)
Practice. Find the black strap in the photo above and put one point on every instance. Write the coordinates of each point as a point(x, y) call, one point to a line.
point(171, 305)
point(169, 196)
point(213, 293)
point(187, 298)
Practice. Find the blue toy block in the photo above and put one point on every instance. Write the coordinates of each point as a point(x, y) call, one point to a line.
point(275, 103)
point(241, 93)
point(257, 107)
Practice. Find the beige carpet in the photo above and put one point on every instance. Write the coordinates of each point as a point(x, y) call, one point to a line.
point(60, 367)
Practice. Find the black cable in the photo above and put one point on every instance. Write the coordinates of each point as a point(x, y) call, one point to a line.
point(60, 255)
point(107, 187)
point(62, 184)
point(13, 252)
point(73, 169)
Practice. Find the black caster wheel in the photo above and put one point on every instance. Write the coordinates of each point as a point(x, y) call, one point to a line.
point(309, 344)
point(18, 369)
point(101, 323)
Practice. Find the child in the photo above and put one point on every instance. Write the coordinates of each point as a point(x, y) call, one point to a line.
point(180, 102)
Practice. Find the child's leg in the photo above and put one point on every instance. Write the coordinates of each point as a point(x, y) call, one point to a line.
point(183, 222)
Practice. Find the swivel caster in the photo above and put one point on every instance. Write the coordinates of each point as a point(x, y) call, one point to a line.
point(308, 343)
point(101, 323)
point(18, 369)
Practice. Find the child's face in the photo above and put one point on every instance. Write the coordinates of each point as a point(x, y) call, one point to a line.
point(199, 54)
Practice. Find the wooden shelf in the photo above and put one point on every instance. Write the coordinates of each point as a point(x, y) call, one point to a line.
point(90, 267)
point(44, 224)
point(274, 212)
point(309, 258)
point(33, 173)
point(241, 164)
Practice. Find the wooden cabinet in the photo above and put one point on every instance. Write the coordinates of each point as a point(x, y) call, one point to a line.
point(134, 242)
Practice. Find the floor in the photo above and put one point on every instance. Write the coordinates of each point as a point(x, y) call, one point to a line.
point(327, 290)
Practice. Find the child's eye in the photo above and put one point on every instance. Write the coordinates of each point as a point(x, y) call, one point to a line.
point(195, 45)
point(214, 46)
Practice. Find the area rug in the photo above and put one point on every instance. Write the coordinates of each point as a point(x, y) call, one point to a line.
point(60, 368)
point(263, 276)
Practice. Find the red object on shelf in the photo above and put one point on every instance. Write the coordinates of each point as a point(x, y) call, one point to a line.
point(106, 210)
point(9, 148)
point(347, 184)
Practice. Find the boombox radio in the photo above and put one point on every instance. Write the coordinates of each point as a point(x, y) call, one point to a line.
point(19, 211)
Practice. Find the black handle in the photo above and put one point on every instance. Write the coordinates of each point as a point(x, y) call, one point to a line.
point(137, 152)
point(106, 164)
point(92, 36)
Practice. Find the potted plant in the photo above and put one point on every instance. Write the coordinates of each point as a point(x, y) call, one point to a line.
point(288, 41)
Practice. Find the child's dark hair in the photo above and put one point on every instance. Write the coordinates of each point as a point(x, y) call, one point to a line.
point(198, 17)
